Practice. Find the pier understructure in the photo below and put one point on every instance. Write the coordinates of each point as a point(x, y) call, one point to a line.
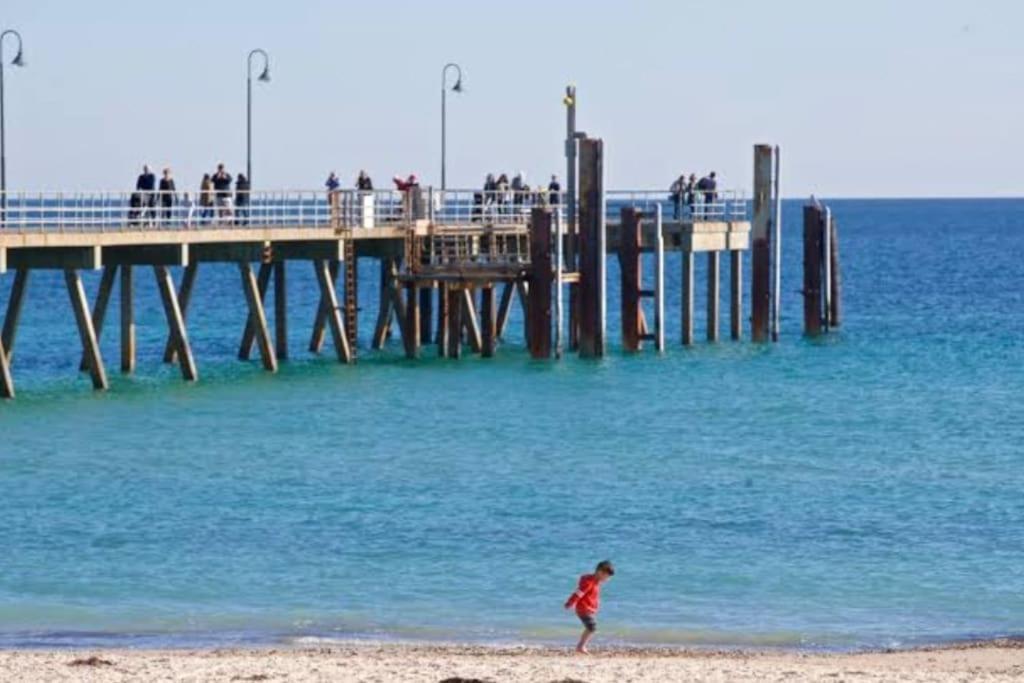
point(481, 253)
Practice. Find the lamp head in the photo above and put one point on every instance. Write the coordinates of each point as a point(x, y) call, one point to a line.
point(458, 86)
point(19, 59)
point(265, 76)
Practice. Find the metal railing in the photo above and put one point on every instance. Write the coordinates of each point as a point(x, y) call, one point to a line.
point(341, 209)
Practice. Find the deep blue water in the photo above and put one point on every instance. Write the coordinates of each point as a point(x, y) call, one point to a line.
point(860, 490)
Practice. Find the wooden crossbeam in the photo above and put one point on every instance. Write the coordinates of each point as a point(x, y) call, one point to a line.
point(332, 311)
point(257, 316)
point(86, 331)
point(176, 323)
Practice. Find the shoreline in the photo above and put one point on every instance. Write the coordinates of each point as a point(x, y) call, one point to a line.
point(995, 659)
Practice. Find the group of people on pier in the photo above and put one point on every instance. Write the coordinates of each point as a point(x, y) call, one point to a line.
point(155, 203)
point(692, 196)
point(499, 196)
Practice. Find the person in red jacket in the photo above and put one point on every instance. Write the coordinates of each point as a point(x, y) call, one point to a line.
point(587, 600)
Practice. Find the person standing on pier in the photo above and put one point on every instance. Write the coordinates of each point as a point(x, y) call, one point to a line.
point(677, 190)
point(206, 199)
point(363, 182)
point(222, 191)
point(554, 192)
point(707, 186)
point(167, 197)
point(501, 190)
point(242, 196)
point(146, 185)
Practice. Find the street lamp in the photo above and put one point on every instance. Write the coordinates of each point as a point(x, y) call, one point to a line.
point(444, 121)
point(265, 77)
point(19, 60)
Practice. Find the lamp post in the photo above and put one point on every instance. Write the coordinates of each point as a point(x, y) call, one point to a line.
point(18, 60)
point(444, 120)
point(265, 77)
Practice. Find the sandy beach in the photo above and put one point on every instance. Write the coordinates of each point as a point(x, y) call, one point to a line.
point(376, 663)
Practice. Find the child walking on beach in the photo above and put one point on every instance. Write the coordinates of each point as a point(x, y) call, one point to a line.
point(587, 600)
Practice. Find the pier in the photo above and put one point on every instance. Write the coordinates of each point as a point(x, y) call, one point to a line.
point(480, 254)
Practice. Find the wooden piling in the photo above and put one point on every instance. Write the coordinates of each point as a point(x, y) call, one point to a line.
point(281, 310)
point(837, 280)
point(443, 315)
point(454, 316)
point(591, 249)
point(249, 335)
point(316, 340)
point(714, 296)
point(541, 279)
point(382, 328)
point(812, 271)
point(488, 321)
point(99, 308)
point(176, 322)
point(127, 291)
point(688, 285)
point(505, 307)
point(629, 269)
point(760, 288)
point(736, 294)
point(332, 312)
point(659, 282)
point(188, 280)
point(86, 331)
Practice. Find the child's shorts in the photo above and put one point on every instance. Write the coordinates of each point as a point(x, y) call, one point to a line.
point(589, 621)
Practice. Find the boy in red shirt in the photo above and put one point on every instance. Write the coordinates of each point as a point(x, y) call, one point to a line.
point(587, 600)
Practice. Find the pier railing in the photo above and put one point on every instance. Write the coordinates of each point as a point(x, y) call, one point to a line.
point(342, 209)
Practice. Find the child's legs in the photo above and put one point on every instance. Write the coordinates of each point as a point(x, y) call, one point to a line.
point(589, 627)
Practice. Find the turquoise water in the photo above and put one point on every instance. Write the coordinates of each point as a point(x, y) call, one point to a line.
point(862, 490)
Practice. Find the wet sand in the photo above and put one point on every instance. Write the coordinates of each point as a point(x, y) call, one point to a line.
point(1001, 660)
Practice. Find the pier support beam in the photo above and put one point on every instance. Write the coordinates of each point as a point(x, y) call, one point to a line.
point(127, 288)
point(453, 313)
point(332, 312)
point(188, 281)
point(488, 321)
point(176, 323)
point(281, 310)
point(257, 316)
point(469, 321)
point(836, 313)
point(592, 249)
point(736, 294)
point(86, 331)
point(99, 308)
point(411, 334)
point(316, 341)
point(541, 278)
point(426, 309)
point(13, 315)
point(688, 283)
point(505, 307)
point(714, 296)
point(760, 290)
point(812, 271)
point(263, 283)
point(352, 295)
point(6, 380)
point(629, 269)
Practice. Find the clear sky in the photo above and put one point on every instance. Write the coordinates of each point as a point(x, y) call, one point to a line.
point(866, 97)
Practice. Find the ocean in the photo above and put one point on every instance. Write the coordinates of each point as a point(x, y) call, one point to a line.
point(864, 489)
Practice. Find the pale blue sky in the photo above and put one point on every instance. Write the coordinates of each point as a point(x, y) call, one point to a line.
point(866, 98)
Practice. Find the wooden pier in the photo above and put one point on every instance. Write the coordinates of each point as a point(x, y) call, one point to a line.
point(479, 264)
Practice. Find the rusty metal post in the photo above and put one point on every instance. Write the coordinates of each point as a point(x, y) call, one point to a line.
point(541, 277)
point(760, 280)
point(630, 270)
